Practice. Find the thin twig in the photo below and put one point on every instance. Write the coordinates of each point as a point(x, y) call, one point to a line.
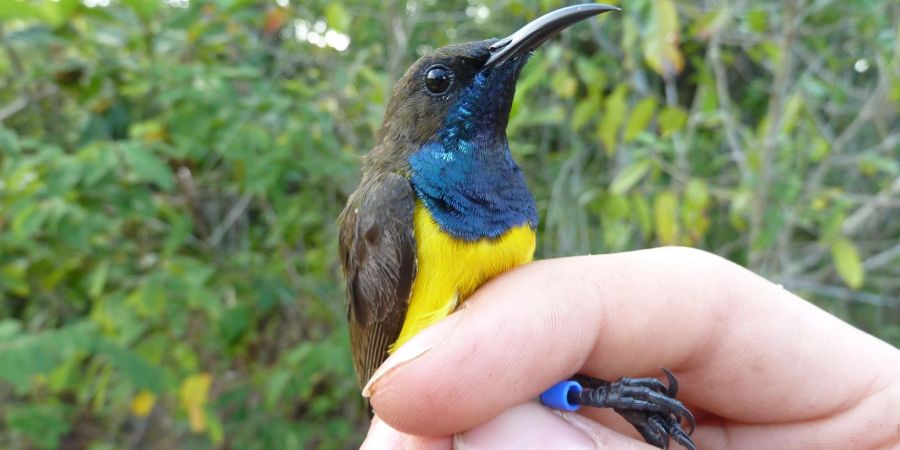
point(729, 123)
point(21, 103)
point(840, 293)
point(875, 206)
point(869, 109)
point(775, 115)
point(882, 259)
point(233, 215)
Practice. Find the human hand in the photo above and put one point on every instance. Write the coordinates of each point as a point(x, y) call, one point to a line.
point(758, 366)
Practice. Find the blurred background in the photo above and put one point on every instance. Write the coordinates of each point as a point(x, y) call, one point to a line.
point(171, 172)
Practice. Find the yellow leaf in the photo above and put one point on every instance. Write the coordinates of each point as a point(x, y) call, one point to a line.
point(792, 111)
point(696, 194)
point(149, 131)
point(693, 210)
point(665, 209)
point(711, 23)
point(671, 119)
point(613, 116)
point(819, 204)
point(142, 404)
point(740, 208)
point(564, 84)
point(662, 50)
point(193, 393)
point(846, 260)
point(640, 207)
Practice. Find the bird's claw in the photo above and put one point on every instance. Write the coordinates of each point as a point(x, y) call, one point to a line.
point(646, 403)
point(672, 390)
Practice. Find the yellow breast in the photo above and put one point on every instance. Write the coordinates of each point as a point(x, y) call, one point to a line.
point(450, 269)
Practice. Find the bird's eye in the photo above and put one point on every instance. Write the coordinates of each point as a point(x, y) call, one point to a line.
point(438, 79)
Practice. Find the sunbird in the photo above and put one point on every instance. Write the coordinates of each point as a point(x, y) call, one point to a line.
point(442, 208)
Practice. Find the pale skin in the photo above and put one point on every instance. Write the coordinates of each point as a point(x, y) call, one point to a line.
point(760, 367)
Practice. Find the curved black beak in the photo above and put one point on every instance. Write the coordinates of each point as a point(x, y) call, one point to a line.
point(533, 34)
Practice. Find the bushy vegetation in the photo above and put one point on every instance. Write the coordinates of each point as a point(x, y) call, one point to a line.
point(170, 175)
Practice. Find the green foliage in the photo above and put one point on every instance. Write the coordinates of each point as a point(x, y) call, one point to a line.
point(170, 174)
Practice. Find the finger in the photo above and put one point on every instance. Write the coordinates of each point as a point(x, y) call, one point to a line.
point(531, 327)
point(722, 329)
point(530, 425)
point(872, 422)
point(382, 436)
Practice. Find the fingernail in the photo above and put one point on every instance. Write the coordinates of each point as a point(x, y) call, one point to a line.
point(412, 349)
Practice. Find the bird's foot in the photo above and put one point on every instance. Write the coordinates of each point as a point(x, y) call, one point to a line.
point(646, 403)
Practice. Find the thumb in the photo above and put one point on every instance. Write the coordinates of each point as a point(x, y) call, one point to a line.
point(530, 425)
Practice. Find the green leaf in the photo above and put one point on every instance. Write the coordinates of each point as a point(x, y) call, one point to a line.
point(696, 194)
point(758, 19)
point(337, 17)
point(17, 9)
point(235, 323)
point(671, 119)
point(639, 118)
point(847, 262)
point(43, 424)
point(792, 111)
point(8, 329)
point(9, 141)
point(216, 430)
point(38, 353)
point(98, 279)
point(53, 13)
point(276, 385)
point(590, 73)
point(145, 9)
point(28, 221)
point(585, 111)
point(545, 116)
point(629, 176)
point(14, 278)
point(147, 166)
point(132, 366)
point(819, 149)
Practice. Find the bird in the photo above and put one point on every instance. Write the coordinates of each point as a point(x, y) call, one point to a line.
point(442, 207)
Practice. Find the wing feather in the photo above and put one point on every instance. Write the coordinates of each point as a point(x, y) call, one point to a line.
point(378, 253)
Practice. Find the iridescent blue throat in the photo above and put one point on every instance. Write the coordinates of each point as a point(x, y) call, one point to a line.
point(466, 177)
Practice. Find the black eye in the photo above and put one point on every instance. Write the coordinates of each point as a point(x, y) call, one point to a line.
point(438, 79)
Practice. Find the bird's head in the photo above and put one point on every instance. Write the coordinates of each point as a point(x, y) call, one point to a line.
point(465, 91)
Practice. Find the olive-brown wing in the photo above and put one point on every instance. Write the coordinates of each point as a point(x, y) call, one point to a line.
point(378, 253)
